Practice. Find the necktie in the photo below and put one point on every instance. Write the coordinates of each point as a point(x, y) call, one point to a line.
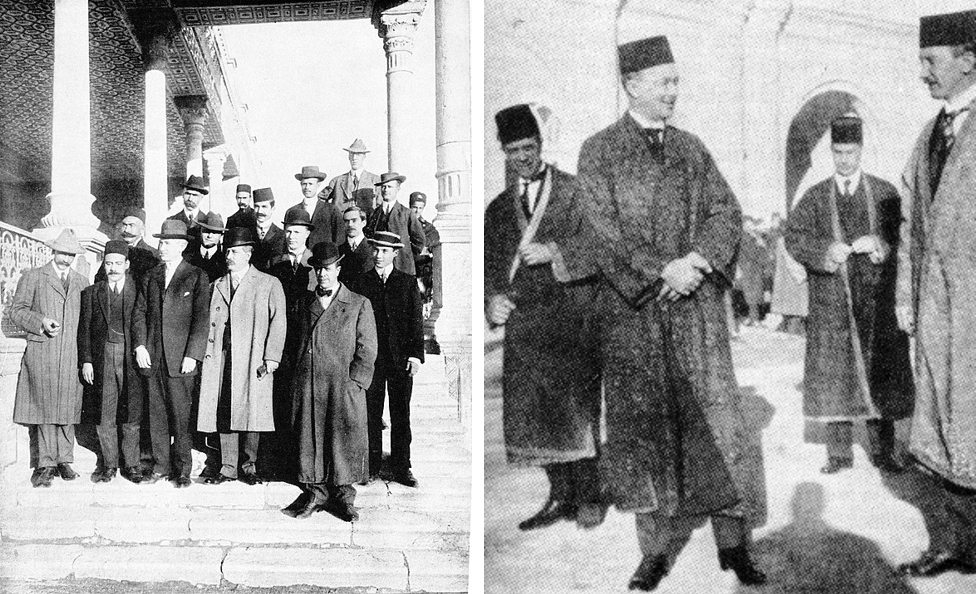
point(261, 233)
point(526, 200)
point(115, 289)
point(943, 136)
point(355, 183)
point(656, 136)
point(323, 292)
point(64, 281)
point(847, 188)
point(233, 287)
point(948, 126)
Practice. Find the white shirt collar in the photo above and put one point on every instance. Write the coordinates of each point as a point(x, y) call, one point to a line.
point(191, 214)
point(854, 178)
point(388, 206)
point(646, 123)
point(266, 225)
point(357, 173)
point(961, 100)
point(117, 286)
point(385, 271)
point(237, 276)
point(208, 252)
point(355, 241)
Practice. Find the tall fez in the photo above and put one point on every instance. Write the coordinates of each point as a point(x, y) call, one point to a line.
point(644, 53)
point(516, 123)
point(846, 130)
point(954, 28)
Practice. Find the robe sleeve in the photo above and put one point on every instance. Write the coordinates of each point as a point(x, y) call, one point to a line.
point(805, 241)
point(905, 284)
point(572, 254)
point(720, 229)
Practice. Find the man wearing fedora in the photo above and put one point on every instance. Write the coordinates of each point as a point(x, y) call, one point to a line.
point(47, 306)
point(400, 335)
point(209, 255)
point(327, 223)
point(247, 336)
point(356, 186)
point(244, 217)
point(169, 330)
point(108, 365)
point(934, 295)
point(357, 253)
point(393, 217)
point(429, 272)
point(194, 189)
point(337, 350)
point(271, 239)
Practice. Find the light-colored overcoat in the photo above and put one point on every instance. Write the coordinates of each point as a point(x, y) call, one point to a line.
point(257, 318)
point(49, 388)
point(937, 280)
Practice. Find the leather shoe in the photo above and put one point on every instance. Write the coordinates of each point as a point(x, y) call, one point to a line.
point(134, 474)
point(250, 478)
point(933, 563)
point(182, 482)
point(551, 512)
point(296, 505)
point(218, 480)
point(103, 475)
point(887, 463)
point(649, 574)
point(153, 477)
point(835, 465)
point(310, 507)
point(343, 511)
point(66, 472)
point(406, 478)
point(738, 560)
point(42, 477)
point(590, 515)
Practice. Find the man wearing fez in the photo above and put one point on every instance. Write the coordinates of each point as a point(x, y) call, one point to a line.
point(209, 255)
point(271, 239)
point(337, 349)
point(169, 330)
point(356, 186)
point(399, 331)
point(244, 217)
point(327, 222)
point(47, 306)
point(429, 273)
point(667, 226)
point(108, 364)
point(934, 297)
point(247, 336)
point(357, 253)
point(551, 380)
point(393, 217)
point(843, 231)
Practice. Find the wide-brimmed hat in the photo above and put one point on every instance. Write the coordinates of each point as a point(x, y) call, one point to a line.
point(172, 229)
point(357, 146)
point(212, 222)
point(418, 197)
point(299, 216)
point(195, 182)
point(390, 176)
point(243, 188)
point(386, 239)
point(310, 171)
point(66, 243)
point(262, 195)
point(238, 236)
point(324, 253)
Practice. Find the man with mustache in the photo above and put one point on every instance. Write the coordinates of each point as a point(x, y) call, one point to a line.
point(271, 239)
point(326, 220)
point(244, 217)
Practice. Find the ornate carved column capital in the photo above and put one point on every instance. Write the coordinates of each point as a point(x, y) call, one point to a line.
point(398, 23)
point(192, 108)
point(154, 28)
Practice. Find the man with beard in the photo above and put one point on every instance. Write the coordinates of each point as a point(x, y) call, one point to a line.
point(326, 220)
point(271, 239)
point(357, 253)
point(244, 217)
point(209, 255)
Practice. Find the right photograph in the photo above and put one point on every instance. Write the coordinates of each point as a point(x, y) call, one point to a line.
point(730, 254)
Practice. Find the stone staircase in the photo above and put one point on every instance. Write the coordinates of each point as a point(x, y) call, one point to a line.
point(232, 535)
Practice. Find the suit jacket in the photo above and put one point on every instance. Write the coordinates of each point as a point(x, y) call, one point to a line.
point(242, 218)
point(171, 322)
point(192, 227)
point(354, 264)
point(404, 223)
point(339, 192)
point(215, 267)
point(398, 312)
point(269, 248)
point(326, 220)
point(142, 257)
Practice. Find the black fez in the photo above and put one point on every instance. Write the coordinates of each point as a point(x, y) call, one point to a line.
point(243, 188)
point(263, 195)
point(516, 123)
point(846, 130)
point(644, 53)
point(955, 28)
point(116, 246)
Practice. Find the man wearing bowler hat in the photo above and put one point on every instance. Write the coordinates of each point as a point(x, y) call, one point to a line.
point(934, 298)
point(668, 227)
point(326, 221)
point(271, 239)
point(209, 255)
point(334, 367)
point(356, 186)
point(169, 331)
point(429, 273)
point(194, 189)
point(47, 306)
point(244, 217)
point(399, 331)
point(393, 217)
point(247, 336)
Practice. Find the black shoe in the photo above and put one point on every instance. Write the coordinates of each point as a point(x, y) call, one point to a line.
point(431, 347)
point(649, 574)
point(343, 511)
point(296, 505)
point(103, 475)
point(218, 480)
point(835, 465)
point(209, 472)
point(134, 474)
point(42, 477)
point(551, 512)
point(406, 478)
point(590, 515)
point(182, 482)
point(66, 472)
point(887, 463)
point(738, 560)
point(311, 506)
point(153, 477)
point(933, 563)
point(250, 478)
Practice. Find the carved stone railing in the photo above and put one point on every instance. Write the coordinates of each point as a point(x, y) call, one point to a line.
point(20, 250)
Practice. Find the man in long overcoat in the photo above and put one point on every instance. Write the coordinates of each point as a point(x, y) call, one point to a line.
point(935, 289)
point(247, 335)
point(551, 381)
point(843, 231)
point(391, 216)
point(334, 369)
point(108, 365)
point(678, 450)
point(47, 306)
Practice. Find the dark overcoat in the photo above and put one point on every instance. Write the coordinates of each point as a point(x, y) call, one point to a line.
point(677, 441)
point(267, 251)
point(215, 267)
point(334, 369)
point(49, 388)
point(244, 217)
point(326, 220)
point(398, 313)
point(355, 263)
point(831, 386)
point(551, 381)
point(92, 336)
point(404, 223)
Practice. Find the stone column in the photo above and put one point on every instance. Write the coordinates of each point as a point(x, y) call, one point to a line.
point(216, 200)
point(193, 110)
point(397, 26)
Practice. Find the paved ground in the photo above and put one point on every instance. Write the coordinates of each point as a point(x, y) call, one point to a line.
point(837, 534)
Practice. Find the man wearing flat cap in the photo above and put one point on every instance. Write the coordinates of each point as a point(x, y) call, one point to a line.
point(539, 285)
point(429, 273)
point(271, 239)
point(247, 336)
point(326, 221)
point(47, 306)
point(209, 255)
point(393, 217)
point(169, 331)
point(356, 186)
point(935, 288)
point(108, 365)
point(843, 231)
point(678, 452)
point(244, 217)
point(334, 367)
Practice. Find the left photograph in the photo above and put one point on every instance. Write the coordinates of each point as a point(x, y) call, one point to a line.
point(235, 292)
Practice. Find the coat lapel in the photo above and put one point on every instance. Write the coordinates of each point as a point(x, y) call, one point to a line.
point(55, 281)
point(222, 285)
point(101, 296)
